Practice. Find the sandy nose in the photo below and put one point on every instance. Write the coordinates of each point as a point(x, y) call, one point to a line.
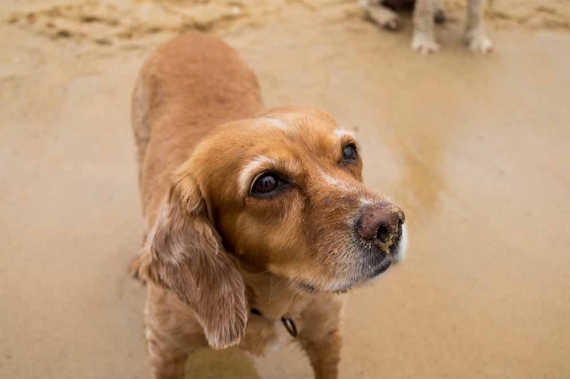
point(381, 225)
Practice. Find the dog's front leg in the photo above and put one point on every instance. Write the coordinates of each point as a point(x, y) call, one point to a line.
point(172, 333)
point(475, 35)
point(321, 336)
point(167, 360)
point(424, 34)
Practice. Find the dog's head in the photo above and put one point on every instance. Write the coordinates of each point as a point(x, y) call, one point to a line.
point(283, 193)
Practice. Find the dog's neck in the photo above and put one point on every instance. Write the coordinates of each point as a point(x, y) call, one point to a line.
point(271, 295)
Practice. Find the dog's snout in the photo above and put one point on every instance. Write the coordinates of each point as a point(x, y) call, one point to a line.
point(381, 225)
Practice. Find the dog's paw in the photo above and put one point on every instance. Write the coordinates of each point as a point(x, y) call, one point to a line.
point(392, 23)
point(479, 42)
point(424, 44)
point(385, 18)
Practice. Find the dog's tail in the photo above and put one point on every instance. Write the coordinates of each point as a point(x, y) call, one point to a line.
point(140, 121)
point(136, 263)
point(134, 267)
point(142, 132)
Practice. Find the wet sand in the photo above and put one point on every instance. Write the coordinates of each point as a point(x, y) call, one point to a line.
point(474, 148)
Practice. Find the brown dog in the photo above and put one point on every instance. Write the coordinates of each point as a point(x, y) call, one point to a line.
point(255, 220)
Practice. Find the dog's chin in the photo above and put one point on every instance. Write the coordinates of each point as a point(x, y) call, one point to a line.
point(346, 284)
point(379, 269)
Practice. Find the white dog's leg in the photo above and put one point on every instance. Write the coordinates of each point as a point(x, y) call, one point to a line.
point(475, 35)
point(381, 15)
point(424, 33)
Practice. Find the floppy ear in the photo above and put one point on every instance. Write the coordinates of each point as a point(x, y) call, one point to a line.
point(184, 253)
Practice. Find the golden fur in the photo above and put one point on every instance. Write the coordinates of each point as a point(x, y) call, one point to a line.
point(216, 248)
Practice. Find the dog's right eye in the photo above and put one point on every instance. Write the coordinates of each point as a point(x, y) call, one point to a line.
point(265, 184)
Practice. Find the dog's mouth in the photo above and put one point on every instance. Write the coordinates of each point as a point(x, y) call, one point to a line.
point(373, 263)
point(380, 268)
point(366, 273)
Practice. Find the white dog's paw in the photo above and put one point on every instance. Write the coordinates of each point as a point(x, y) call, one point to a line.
point(385, 18)
point(424, 43)
point(478, 41)
point(391, 23)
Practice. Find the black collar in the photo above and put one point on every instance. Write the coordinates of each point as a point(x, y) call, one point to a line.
point(288, 322)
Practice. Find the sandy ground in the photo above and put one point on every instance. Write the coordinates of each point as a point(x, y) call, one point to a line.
point(475, 149)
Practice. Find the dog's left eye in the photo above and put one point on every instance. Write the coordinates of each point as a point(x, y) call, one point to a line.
point(349, 153)
point(265, 184)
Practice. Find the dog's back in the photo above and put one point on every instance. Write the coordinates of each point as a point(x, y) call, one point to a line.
point(187, 87)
